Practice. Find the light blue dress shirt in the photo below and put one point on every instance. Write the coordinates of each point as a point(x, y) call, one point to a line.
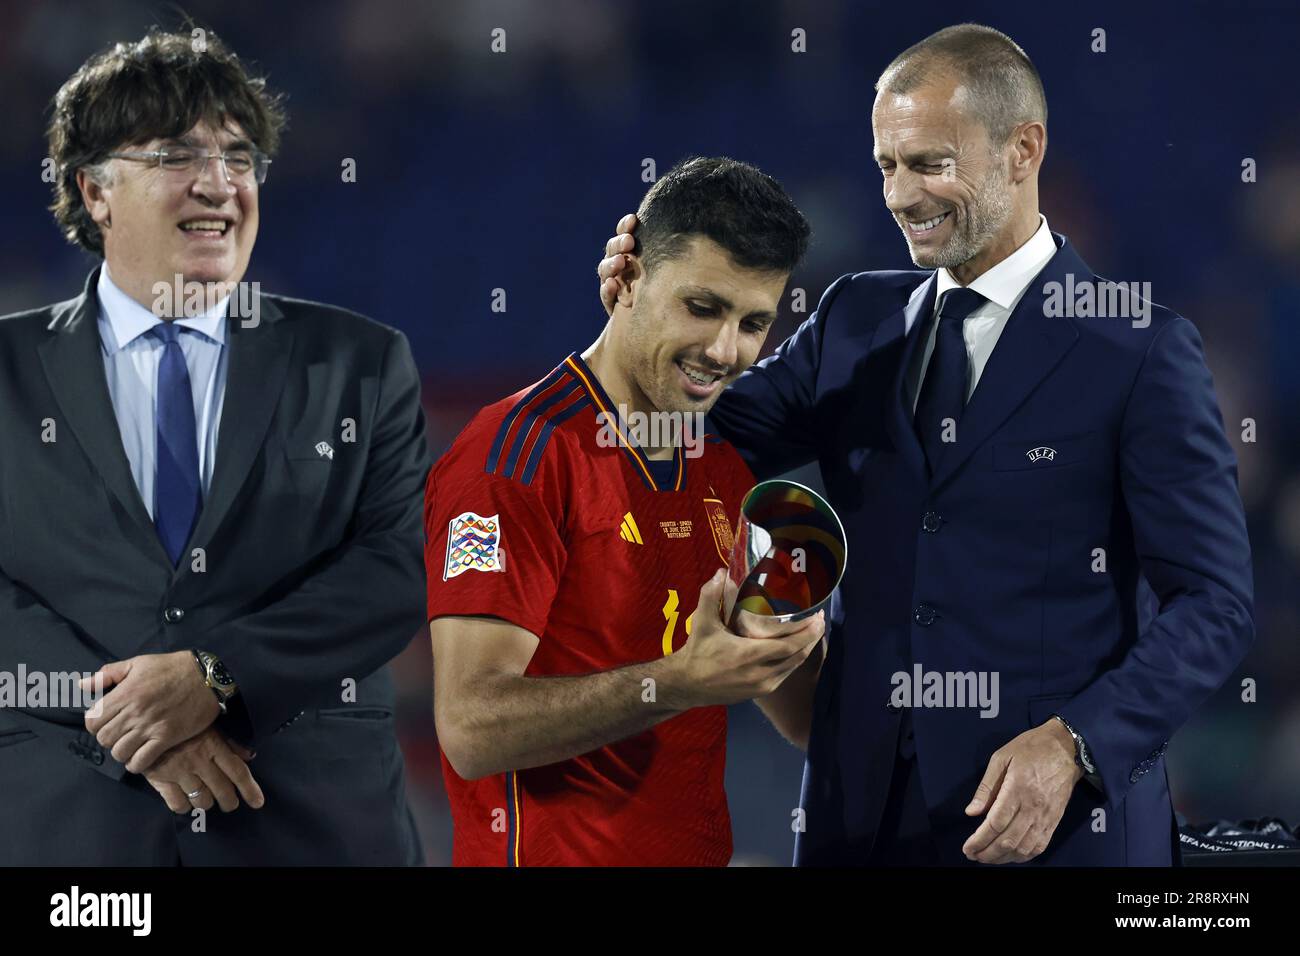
point(131, 361)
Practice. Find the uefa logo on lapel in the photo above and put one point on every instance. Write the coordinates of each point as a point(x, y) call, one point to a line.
point(1041, 453)
point(324, 450)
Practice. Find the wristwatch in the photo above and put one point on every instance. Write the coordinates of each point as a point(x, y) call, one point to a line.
point(1081, 755)
point(216, 678)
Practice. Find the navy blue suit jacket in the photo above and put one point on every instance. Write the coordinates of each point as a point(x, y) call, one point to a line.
point(1002, 576)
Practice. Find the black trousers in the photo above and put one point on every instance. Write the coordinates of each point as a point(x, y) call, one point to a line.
point(335, 795)
point(904, 837)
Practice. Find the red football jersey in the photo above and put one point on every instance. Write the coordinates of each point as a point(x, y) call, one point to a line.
point(535, 517)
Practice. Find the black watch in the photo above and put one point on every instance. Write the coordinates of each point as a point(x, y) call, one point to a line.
point(216, 678)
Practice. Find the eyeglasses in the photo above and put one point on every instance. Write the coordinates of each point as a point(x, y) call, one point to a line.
point(242, 166)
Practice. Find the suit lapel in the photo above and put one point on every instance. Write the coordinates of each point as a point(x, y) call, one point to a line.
point(74, 367)
point(896, 327)
point(255, 373)
point(1030, 346)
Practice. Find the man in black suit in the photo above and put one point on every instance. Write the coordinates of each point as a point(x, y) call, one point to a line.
point(209, 498)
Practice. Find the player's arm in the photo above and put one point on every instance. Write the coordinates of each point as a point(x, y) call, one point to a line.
point(491, 718)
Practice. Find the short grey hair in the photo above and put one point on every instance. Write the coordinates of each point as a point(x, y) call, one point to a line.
point(1005, 88)
point(102, 173)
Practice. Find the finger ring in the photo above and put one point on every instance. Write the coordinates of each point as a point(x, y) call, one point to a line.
point(196, 793)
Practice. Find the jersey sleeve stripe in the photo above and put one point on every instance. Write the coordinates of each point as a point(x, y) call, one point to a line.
point(535, 456)
point(533, 421)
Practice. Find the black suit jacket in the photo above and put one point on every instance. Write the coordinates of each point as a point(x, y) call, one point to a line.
point(311, 574)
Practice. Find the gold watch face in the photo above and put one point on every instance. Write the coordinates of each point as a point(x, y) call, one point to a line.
point(218, 678)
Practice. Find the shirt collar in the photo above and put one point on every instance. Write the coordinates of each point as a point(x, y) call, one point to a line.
point(127, 319)
point(1006, 282)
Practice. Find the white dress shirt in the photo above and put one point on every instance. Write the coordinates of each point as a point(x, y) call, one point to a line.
point(1003, 286)
point(131, 360)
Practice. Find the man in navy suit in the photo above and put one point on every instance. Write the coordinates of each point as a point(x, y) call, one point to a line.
point(1017, 448)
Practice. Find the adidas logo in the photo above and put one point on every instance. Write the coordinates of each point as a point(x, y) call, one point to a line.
point(628, 530)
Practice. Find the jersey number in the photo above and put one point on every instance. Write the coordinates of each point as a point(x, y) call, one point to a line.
point(670, 615)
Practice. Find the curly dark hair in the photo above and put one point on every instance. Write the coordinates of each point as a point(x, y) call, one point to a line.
point(158, 87)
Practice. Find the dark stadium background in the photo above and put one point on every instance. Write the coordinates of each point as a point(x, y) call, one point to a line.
point(478, 171)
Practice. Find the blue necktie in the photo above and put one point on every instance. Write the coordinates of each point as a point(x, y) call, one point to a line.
point(177, 492)
point(943, 390)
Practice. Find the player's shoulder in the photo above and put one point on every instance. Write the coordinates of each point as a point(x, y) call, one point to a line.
point(723, 454)
point(527, 436)
point(715, 445)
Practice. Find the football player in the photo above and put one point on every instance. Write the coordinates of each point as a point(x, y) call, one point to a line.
point(580, 699)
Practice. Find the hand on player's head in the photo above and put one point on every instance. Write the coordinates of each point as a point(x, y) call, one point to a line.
point(616, 250)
